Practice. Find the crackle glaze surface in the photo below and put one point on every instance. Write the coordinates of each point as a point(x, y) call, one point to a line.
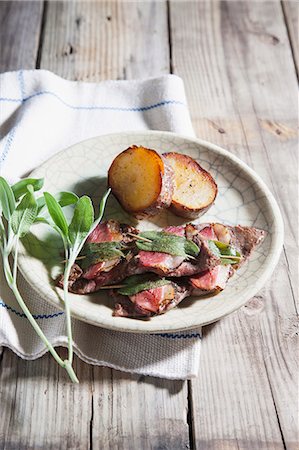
point(243, 199)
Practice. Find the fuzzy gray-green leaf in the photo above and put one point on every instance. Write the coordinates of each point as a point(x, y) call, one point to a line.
point(167, 243)
point(102, 251)
point(20, 188)
point(56, 213)
point(7, 199)
point(64, 198)
point(139, 283)
point(82, 220)
point(25, 213)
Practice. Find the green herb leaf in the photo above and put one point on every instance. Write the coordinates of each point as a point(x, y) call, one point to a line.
point(20, 188)
point(25, 213)
point(64, 198)
point(213, 247)
point(56, 213)
point(102, 251)
point(82, 220)
point(41, 220)
point(226, 261)
point(7, 199)
point(139, 283)
point(191, 248)
point(167, 243)
point(224, 251)
point(102, 208)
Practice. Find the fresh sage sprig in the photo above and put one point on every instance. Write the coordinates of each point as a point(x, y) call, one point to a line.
point(138, 283)
point(18, 211)
point(74, 235)
point(160, 241)
point(94, 253)
point(227, 253)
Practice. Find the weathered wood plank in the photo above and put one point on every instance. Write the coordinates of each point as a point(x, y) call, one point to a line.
point(291, 13)
point(95, 41)
point(245, 395)
point(40, 408)
point(20, 24)
point(106, 40)
point(132, 412)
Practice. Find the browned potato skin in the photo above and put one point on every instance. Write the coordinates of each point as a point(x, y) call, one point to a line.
point(166, 187)
point(180, 209)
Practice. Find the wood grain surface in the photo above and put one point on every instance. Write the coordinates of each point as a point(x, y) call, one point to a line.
point(20, 27)
point(236, 50)
point(291, 11)
point(237, 59)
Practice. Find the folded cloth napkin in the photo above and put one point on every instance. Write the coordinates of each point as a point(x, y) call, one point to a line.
point(41, 114)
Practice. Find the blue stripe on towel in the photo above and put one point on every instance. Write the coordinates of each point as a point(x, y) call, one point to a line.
point(36, 316)
point(8, 143)
point(21, 83)
point(92, 107)
point(178, 336)
point(60, 313)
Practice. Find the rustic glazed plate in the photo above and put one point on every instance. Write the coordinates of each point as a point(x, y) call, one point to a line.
point(243, 199)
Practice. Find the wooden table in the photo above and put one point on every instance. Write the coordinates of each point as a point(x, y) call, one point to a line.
point(239, 62)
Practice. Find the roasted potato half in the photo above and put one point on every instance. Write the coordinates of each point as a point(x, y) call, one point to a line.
point(142, 181)
point(194, 188)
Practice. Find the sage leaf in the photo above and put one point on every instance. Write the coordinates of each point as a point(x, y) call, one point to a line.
point(56, 213)
point(213, 247)
point(167, 243)
point(102, 208)
point(82, 220)
point(191, 248)
point(98, 252)
point(226, 261)
point(20, 188)
point(224, 251)
point(7, 199)
point(41, 220)
point(24, 215)
point(64, 198)
point(139, 283)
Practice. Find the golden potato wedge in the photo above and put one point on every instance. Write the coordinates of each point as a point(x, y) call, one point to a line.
point(195, 189)
point(142, 181)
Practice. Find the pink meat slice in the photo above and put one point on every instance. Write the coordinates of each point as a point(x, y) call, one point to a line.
point(160, 261)
point(150, 302)
point(203, 230)
point(103, 266)
point(208, 233)
point(106, 232)
point(110, 231)
point(152, 299)
point(178, 231)
point(211, 280)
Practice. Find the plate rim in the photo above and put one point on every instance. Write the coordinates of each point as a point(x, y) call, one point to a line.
point(276, 247)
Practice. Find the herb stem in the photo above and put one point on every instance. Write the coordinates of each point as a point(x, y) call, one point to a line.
point(113, 286)
point(77, 259)
point(13, 286)
point(235, 258)
point(67, 310)
point(140, 238)
point(15, 265)
point(70, 258)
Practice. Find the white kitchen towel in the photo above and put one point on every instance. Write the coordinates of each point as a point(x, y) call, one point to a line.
point(41, 114)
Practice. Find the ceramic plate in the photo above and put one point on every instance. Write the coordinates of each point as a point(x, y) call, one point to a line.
point(243, 199)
